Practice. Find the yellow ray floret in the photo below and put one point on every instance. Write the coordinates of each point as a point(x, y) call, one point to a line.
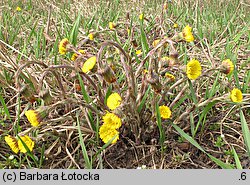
point(236, 95)
point(111, 25)
point(28, 142)
point(76, 55)
point(187, 34)
point(114, 101)
point(165, 112)
point(63, 46)
point(32, 117)
point(170, 76)
point(12, 142)
point(112, 120)
point(89, 64)
point(106, 134)
point(193, 69)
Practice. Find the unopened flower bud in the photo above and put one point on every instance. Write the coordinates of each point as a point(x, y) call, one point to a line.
point(226, 66)
point(154, 81)
point(28, 94)
point(107, 74)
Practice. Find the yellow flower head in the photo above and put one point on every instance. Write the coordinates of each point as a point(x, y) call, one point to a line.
point(91, 36)
point(63, 46)
point(193, 69)
point(138, 52)
point(128, 31)
point(187, 34)
point(227, 66)
point(141, 16)
point(18, 9)
point(29, 143)
point(111, 25)
point(236, 95)
point(165, 112)
point(155, 42)
point(75, 55)
point(114, 101)
point(89, 64)
point(12, 142)
point(106, 134)
point(112, 120)
point(32, 117)
point(170, 76)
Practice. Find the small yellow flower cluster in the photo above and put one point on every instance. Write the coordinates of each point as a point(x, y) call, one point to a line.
point(170, 76)
point(91, 36)
point(89, 64)
point(18, 145)
point(36, 116)
point(187, 34)
point(108, 130)
point(63, 46)
point(76, 55)
point(227, 66)
point(193, 69)
point(111, 122)
point(114, 101)
point(138, 52)
point(165, 111)
point(141, 16)
point(18, 9)
point(111, 25)
point(236, 95)
point(32, 117)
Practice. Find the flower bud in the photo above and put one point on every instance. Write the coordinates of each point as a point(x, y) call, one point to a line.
point(107, 74)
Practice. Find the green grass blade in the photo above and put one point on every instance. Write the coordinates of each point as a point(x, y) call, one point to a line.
point(84, 150)
point(29, 153)
point(74, 31)
point(245, 131)
point(192, 92)
point(143, 100)
point(84, 92)
point(237, 160)
point(193, 142)
point(6, 110)
point(159, 124)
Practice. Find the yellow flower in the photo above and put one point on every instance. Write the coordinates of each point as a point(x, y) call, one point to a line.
point(29, 143)
point(111, 25)
point(106, 134)
point(187, 34)
point(165, 112)
point(145, 71)
point(227, 66)
point(63, 46)
point(155, 42)
point(128, 31)
point(89, 64)
point(91, 36)
point(12, 142)
point(175, 25)
point(236, 95)
point(75, 55)
point(170, 76)
point(18, 9)
point(141, 16)
point(114, 101)
point(193, 69)
point(112, 120)
point(138, 52)
point(32, 117)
